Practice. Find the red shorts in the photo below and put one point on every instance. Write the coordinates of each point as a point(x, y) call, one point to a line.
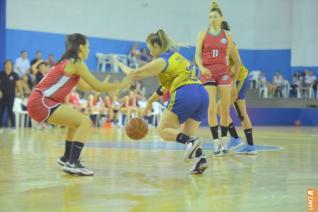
point(40, 107)
point(220, 75)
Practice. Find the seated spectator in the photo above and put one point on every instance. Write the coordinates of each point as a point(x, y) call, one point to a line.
point(264, 83)
point(144, 57)
point(38, 57)
point(38, 70)
point(22, 64)
point(134, 56)
point(309, 81)
point(129, 105)
point(295, 85)
point(140, 89)
point(51, 60)
point(278, 82)
point(112, 107)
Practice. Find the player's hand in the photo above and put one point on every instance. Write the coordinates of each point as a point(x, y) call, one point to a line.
point(123, 67)
point(205, 71)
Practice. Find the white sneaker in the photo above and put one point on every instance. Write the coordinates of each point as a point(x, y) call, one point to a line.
point(219, 148)
point(192, 145)
point(77, 168)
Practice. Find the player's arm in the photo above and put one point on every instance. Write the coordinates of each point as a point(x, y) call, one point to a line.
point(154, 97)
point(81, 69)
point(150, 69)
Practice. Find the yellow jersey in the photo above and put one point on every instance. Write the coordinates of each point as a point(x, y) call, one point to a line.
point(178, 72)
point(243, 70)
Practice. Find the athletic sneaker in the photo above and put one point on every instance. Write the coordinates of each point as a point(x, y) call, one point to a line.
point(247, 150)
point(62, 160)
point(235, 143)
point(192, 145)
point(200, 166)
point(219, 148)
point(77, 168)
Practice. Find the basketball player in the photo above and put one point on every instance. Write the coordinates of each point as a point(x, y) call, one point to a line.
point(242, 84)
point(213, 48)
point(46, 101)
point(189, 100)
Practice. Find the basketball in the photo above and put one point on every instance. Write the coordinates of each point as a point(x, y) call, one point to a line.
point(136, 128)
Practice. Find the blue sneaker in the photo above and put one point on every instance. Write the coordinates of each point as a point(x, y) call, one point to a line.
point(247, 150)
point(235, 143)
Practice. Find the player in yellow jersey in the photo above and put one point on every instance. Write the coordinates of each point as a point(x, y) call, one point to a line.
point(239, 102)
point(189, 100)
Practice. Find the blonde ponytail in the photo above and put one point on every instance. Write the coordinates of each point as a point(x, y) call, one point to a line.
point(163, 40)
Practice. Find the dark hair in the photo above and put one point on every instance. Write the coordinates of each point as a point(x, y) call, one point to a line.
point(72, 44)
point(7, 61)
point(216, 10)
point(225, 26)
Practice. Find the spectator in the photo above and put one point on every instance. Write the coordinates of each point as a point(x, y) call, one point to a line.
point(38, 57)
point(8, 84)
point(264, 83)
point(309, 82)
point(278, 82)
point(134, 56)
point(144, 57)
point(295, 85)
point(22, 64)
point(140, 89)
point(51, 60)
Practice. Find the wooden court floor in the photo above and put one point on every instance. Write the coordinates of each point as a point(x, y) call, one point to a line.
point(150, 175)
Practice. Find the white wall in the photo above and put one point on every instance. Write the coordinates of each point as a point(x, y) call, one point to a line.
point(256, 24)
point(305, 33)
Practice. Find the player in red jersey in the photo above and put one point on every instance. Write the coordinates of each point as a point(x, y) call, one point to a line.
point(213, 48)
point(46, 102)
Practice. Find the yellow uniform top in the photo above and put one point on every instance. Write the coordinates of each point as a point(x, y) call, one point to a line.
point(178, 72)
point(243, 70)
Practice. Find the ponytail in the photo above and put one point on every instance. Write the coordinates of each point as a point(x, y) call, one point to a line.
point(163, 40)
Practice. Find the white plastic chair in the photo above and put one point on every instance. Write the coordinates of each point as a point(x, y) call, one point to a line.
point(20, 114)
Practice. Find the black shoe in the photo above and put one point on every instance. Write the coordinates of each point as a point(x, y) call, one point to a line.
point(62, 160)
point(192, 145)
point(199, 166)
point(77, 168)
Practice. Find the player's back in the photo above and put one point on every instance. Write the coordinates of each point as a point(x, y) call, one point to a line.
point(57, 84)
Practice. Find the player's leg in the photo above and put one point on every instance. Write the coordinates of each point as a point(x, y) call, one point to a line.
point(69, 117)
point(247, 125)
point(68, 145)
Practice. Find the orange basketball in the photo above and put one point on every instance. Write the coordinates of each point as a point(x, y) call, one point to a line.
point(136, 128)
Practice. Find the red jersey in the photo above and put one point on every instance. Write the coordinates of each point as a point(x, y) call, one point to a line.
point(214, 49)
point(74, 100)
point(57, 84)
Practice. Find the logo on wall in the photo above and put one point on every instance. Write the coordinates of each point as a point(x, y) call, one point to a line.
point(223, 40)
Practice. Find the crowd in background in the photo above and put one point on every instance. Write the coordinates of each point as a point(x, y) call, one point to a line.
point(18, 78)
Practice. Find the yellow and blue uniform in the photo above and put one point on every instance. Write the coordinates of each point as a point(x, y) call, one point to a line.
point(242, 81)
point(189, 99)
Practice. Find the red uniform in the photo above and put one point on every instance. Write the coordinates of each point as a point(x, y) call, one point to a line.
point(214, 58)
point(50, 92)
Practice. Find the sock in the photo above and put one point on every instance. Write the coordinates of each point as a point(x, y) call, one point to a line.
point(182, 138)
point(224, 130)
point(214, 132)
point(68, 146)
point(198, 153)
point(75, 151)
point(232, 131)
point(249, 136)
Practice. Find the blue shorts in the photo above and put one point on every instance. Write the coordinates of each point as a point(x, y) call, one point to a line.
point(189, 101)
point(245, 86)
